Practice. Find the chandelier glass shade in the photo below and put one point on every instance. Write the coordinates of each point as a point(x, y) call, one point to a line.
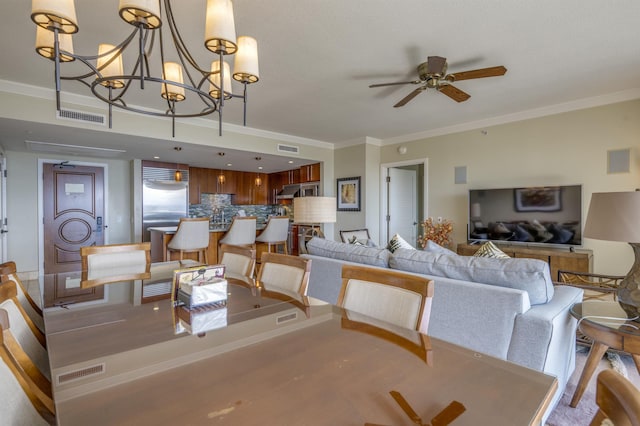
point(178, 79)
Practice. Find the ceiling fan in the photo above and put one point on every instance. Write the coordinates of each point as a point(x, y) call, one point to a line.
point(433, 75)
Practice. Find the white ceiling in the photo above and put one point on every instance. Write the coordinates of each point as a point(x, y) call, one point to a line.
point(317, 58)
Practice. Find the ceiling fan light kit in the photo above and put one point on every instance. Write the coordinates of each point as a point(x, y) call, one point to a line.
point(433, 75)
point(56, 21)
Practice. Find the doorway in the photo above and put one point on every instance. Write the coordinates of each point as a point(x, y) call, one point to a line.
point(73, 206)
point(404, 199)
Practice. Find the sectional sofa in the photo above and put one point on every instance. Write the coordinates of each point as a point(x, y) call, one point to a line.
point(506, 308)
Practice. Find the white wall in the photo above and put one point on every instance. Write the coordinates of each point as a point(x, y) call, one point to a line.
point(563, 149)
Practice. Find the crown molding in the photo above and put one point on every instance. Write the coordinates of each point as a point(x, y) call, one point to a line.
point(579, 104)
point(92, 102)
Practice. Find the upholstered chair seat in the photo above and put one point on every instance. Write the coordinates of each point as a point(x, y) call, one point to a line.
point(275, 233)
point(242, 232)
point(397, 298)
point(31, 307)
point(239, 261)
point(284, 274)
point(192, 235)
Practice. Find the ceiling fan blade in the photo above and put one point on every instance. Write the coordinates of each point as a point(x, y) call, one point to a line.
point(394, 84)
point(453, 92)
point(437, 65)
point(449, 414)
point(479, 73)
point(410, 96)
point(406, 407)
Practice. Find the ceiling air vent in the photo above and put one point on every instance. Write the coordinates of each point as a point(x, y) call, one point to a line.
point(68, 114)
point(289, 149)
point(80, 374)
point(286, 318)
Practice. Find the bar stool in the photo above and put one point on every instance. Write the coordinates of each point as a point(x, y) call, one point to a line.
point(192, 236)
point(275, 233)
point(242, 232)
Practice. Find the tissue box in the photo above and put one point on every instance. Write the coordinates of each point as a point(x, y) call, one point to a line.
point(203, 319)
point(200, 292)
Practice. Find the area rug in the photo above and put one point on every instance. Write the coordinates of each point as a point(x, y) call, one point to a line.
point(564, 415)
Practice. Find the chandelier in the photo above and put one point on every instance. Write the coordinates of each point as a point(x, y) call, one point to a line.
point(56, 22)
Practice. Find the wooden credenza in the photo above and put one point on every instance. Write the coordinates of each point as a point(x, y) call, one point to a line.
point(580, 260)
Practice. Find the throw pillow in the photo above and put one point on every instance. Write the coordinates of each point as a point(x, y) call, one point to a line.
point(354, 240)
point(489, 249)
point(398, 242)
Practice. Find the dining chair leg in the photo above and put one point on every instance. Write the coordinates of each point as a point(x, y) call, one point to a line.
point(286, 248)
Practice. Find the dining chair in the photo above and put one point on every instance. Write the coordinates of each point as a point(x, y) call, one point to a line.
point(115, 262)
point(275, 233)
point(20, 359)
point(239, 261)
point(242, 232)
point(284, 274)
point(19, 404)
point(8, 271)
point(618, 400)
point(191, 236)
point(397, 298)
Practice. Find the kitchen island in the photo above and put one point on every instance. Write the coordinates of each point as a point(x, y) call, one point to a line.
point(161, 235)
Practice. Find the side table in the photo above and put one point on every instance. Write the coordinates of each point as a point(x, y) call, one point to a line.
point(608, 325)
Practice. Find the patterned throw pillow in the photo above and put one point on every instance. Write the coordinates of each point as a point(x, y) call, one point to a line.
point(489, 249)
point(356, 241)
point(397, 242)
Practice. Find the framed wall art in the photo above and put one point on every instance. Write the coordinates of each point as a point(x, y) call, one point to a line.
point(348, 194)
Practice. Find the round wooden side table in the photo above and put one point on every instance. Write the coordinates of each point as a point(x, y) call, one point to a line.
point(608, 326)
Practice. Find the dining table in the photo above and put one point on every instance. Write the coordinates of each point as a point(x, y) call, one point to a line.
point(268, 358)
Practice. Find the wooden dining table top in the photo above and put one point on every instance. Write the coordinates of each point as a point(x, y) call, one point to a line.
point(272, 361)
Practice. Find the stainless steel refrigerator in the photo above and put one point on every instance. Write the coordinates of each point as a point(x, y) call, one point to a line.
point(164, 201)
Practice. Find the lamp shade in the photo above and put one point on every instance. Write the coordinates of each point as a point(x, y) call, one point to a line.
point(314, 210)
point(220, 27)
point(141, 12)
point(106, 53)
point(245, 67)
point(172, 71)
point(215, 91)
point(58, 13)
point(614, 216)
point(45, 47)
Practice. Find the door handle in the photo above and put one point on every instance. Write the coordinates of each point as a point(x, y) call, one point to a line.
point(4, 231)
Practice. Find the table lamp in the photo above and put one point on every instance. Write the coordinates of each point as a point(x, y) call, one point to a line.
point(615, 216)
point(313, 211)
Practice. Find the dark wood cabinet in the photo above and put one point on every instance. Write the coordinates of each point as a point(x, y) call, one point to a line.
point(559, 259)
point(242, 185)
point(310, 173)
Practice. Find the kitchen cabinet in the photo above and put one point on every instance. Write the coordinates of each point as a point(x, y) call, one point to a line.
point(310, 173)
point(241, 184)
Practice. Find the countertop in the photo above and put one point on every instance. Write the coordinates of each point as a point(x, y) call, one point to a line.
point(173, 229)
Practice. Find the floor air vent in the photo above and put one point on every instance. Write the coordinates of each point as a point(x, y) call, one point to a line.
point(286, 318)
point(289, 149)
point(80, 374)
point(68, 114)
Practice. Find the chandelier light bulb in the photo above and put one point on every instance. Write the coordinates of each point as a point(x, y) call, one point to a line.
point(60, 14)
point(45, 47)
point(110, 64)
point(245, 67)
point(214, 88)
point(171, 92)
point(220, 27)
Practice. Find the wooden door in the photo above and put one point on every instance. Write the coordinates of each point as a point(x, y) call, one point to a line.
point(73, 204)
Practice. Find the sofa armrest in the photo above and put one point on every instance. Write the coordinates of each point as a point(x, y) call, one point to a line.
point(544, 337)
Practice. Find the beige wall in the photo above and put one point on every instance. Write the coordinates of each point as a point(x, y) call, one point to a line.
point(568, 148)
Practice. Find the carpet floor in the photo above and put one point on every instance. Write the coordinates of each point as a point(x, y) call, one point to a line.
point(564, 415)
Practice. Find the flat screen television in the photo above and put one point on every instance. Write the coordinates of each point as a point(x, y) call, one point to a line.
point(550, 215)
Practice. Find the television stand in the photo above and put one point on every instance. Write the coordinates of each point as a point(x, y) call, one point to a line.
point(559, 259)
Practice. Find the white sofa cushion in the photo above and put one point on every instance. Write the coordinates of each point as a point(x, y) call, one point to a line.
point(530, 275)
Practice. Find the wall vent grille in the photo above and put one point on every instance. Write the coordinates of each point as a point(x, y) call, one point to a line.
point(289, 149)
point(286, 318)
point(81, 374)
point(68, 114)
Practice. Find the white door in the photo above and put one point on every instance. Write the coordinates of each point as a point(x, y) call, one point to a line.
point(402, 204)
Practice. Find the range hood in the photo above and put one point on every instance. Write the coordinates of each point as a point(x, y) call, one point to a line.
point(288, 192)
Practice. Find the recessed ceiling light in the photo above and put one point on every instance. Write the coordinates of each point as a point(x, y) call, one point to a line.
point(259, 167)
point(290, 161)
point(229, 164)
point(156, 157)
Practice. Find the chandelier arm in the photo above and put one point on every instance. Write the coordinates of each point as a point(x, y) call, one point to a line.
point(244, 105)
point(177, 39)
point(56, 52)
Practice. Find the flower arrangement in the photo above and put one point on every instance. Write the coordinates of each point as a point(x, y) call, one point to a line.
point(437, 231)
